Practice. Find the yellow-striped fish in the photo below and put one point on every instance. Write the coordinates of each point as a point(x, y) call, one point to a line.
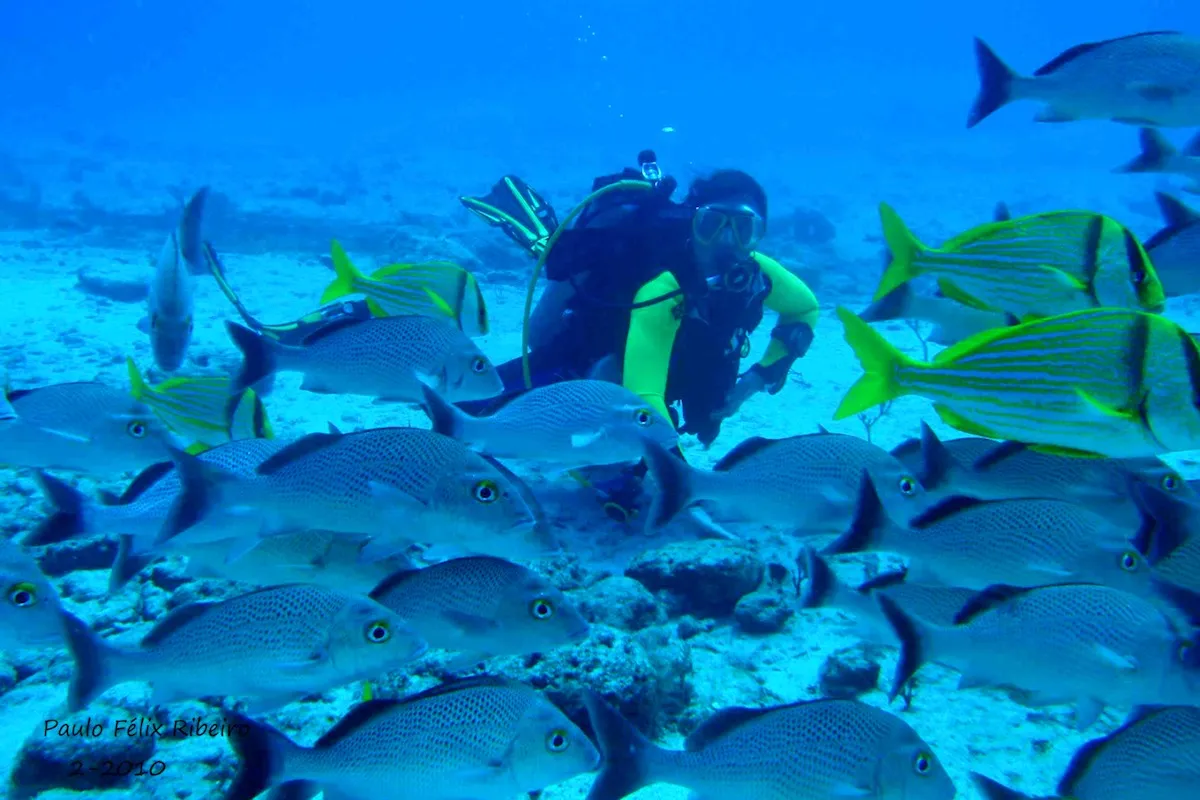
point(201, 410)
point(1106, 381)
point(432, 289)
point(1036, 266)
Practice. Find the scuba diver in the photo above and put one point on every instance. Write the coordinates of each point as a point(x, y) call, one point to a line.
point(660, 296)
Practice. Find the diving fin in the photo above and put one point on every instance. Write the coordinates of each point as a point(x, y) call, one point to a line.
point(513, 206)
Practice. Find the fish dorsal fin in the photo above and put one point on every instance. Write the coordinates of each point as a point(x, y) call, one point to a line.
point(1143, 712)
point(722, 723)
point(986, 600)
point(356, 718)
point(1001, 213)
point(144, 480)
point(1184, 600)
point(1175, 212)
point(397, 578)
point(1001, 452)
point(332, 327)
point(937, 462)
point(176, 619)
point(970, 344)
point(907, 448)
point(1072, 53)
point(743, 451)
point(943, 510)
point(303, 446)
point(885, 581)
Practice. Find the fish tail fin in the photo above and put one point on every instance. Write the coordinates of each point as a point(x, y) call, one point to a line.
point(820, 584)
point(1156, 152)
point(126, 564)
point(880, 361)
point(258, 356)
point(903, 249)
point(673, 479)
point(996, 81)
point(994, 790)
point(444, 417)
point(346, 275)
point(199, 494)
point(261, 752)
point(867, 527)
point(69, 518)
point(627, 752)
point(94, 660)
point(191, 238)
point(893, 305)
point(137, 384)
point(913, 636)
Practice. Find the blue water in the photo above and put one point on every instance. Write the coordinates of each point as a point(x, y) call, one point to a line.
point(113, 110)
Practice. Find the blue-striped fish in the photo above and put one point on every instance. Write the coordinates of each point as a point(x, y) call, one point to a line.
point(203, 410)
point(1040, 265)
point(433, 289)
point(1105, 381)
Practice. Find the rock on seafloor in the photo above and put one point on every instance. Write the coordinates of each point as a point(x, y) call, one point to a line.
point(705, 578)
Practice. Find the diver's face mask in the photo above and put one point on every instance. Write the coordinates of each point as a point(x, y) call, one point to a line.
point(735, 229)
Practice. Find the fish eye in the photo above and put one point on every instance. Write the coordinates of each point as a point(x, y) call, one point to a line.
point(557, 741)
point(1170, 482)
point(643, 417)
point(378, 632)
point(541, 608)
point(907, 485)
point(22, 595)
point(478, 364)
point(1129, 561)
point(923, 763)
point(486, 492)
point(136, 429)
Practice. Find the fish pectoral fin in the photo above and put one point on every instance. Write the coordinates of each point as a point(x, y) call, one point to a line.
point(848, 790)
point(584, 439)
point(1069, 452)
point(319, 655)
point(1104, 411)
point(1121, 662)
point(239, 548)
point(951, 291)
point(315, 386)
point(1087, 711)
point(488, 775)
point(1066, 280)
point(1053, 570)
point(380, 549)
point(1150, 90)
point(71, 437)
point(959, 423)
point(392, 496)
point(469, 623)
point(1052, 114)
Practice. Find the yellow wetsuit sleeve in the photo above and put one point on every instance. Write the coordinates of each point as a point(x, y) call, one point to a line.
point(791, 299)
point(651, 338)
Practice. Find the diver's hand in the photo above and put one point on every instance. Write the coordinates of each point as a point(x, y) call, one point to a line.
point(749, 384)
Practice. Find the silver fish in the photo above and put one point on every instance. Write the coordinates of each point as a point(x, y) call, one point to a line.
point(1155, 755)
point(274, 645)
point(950, 320)
point(1159, 156)
point(387, 358)
point(818, 586)
point(809, 482)
point(1148, 78)
point(483, 606)
point(171, 301)
point(1028, 542)
point(1092, 645)
point(482, 738)
point(30, 613)
point(812, 750)
point(1175, 249)
point(139, 515)
point(573, 423)
point(398, 484)
point(333, 560)
point(82, 427)
point(991, 470)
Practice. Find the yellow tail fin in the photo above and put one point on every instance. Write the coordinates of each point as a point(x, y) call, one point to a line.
point(879, 359)
point(904, 249)
point(347, 274)
point(137, 385)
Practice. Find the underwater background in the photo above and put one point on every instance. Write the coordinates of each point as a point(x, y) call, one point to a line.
point(365, 122)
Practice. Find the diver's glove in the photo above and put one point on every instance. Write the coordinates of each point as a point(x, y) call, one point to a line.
point(622, 495)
